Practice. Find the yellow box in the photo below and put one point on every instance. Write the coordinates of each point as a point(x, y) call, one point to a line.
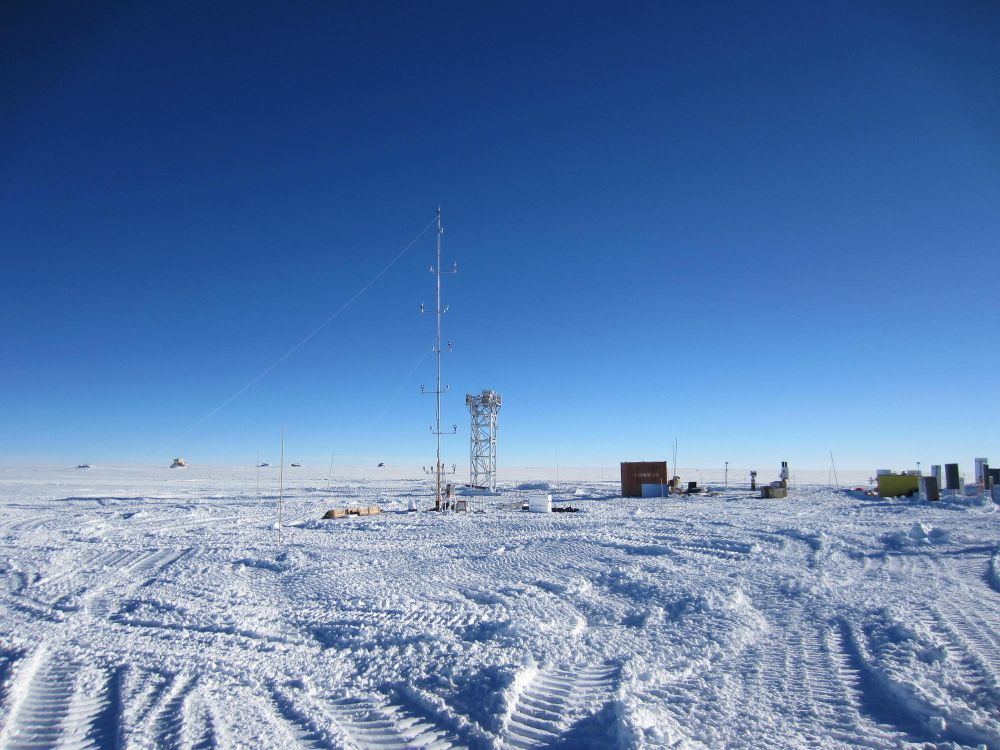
point(895, 485)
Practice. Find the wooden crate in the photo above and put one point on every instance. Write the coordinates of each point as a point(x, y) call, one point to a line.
point(361, 510)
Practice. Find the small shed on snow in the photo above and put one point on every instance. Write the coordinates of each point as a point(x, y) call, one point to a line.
point(635, 474)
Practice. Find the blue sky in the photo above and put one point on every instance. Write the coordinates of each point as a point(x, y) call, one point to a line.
point(770, 229)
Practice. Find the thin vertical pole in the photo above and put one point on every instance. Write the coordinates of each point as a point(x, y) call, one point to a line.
point(437, 389)
point(281, 482)
point(257, 489)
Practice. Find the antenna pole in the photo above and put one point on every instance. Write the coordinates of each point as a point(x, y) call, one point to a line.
point(437, 390)
point(281, 482)
point(439, 310)
point(674, 474)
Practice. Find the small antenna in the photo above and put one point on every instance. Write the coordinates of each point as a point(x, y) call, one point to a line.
point(281, 482)
point(330, 477)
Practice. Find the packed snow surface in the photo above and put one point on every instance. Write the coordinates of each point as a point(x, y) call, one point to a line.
point(156, 608)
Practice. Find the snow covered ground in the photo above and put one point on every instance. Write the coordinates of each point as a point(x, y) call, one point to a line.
point(154, 608)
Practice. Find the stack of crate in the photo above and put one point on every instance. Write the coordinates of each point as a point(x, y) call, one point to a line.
point(361, 510)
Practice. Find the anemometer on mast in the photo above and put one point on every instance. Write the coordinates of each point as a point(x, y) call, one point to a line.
point(439, 311)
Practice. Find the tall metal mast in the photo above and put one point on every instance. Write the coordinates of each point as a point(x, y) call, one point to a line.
point(439, 310)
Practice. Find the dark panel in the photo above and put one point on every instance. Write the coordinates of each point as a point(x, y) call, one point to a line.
point(951, 476)
point(930, 488)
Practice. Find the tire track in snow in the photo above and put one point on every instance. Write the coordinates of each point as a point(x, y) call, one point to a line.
point(261, 720)
point(555, 698)
point(187, 718)
point(117, 574)
point(201, 726)
point(974, 636)
point(824, 700)
point(969, 665)
point(100, 702)
point(397, 623)
point(142, 696)
point(164, 724)
point(118, 571)
point(707, 544)
point(59, 707)
point(34, 523)
point(978, 570)
point(300, 723)
point(358, 723)
point(160, 526)
point(850, 703)
point(43, 692)
point(372, 724)
point(100, 601)
point(798, 686)
point(908, 704)
point(8, 661)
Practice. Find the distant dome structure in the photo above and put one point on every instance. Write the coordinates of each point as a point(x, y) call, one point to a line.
point(179, 463)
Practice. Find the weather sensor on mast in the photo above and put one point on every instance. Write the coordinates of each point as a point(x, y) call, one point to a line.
point(439, 311)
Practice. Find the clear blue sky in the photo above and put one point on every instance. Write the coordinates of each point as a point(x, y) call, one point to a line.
point(771, 229)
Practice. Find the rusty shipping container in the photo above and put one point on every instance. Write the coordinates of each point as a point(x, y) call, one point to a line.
point(637, 473)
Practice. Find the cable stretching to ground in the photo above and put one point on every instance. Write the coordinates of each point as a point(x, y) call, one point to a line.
point(392, 400)
point(295, 348)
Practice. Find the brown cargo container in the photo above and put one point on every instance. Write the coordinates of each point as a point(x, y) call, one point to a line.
point(637, 473)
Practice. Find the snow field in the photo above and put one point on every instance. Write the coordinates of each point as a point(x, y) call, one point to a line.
point(155, 609)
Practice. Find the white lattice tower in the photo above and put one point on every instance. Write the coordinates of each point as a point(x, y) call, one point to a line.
point(483, 438)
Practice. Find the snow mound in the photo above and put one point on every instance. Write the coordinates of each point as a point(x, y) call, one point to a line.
point(920, 534)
